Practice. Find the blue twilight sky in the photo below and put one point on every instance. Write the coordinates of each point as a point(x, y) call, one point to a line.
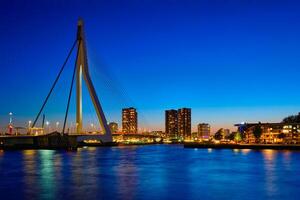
point(228, 60)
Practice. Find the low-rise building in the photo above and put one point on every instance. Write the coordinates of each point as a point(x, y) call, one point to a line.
point(271, 132)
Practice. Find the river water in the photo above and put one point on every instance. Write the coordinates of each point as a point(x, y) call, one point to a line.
point(149, 172)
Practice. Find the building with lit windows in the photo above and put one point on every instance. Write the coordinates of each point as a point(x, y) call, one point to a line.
point(287, 133)
point(171, 124)
point(184, 123)
point(113, 127)
point(129, 120)
point(203, 131)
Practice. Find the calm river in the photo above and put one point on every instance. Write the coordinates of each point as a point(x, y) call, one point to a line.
point(149, 172)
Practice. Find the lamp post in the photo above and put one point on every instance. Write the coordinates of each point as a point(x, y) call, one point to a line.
point(57, 124)
point(92, 125)
point(10, 117)
point(10, 127)
point(47, 124)
point(29, 123)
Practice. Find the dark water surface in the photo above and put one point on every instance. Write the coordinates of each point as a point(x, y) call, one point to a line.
point(150, 172)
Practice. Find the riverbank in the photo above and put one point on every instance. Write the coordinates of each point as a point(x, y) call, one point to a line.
point(242, 146)
point(50, 141)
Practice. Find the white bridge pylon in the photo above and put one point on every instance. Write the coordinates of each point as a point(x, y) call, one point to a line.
point(82, 69)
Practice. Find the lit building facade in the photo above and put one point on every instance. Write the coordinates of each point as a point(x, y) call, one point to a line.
point(157, 133)
point(129, 120)
point(226, 132)
point(203, 131)
point(184, 123)
point(113, 127)
point(171, 124)
point(271, 133)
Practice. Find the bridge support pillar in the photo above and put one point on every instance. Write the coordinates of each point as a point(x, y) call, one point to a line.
point(82, 69)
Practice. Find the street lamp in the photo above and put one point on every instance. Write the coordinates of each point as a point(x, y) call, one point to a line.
point(10, 117)
point(29, 130)
point(57, 124)
point(47, 124)
point(92, 125)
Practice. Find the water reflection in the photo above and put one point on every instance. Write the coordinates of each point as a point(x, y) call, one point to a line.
point(269, 155)
point(77, 167)
point(243, 151)
point(150, 172)
point(287, 160)
point(270, 175)
point(87, 168)
point(30, 171)
point(1, 155)
point(246, 151)
point(236, 151)
point(127, 176)
point(46, 178)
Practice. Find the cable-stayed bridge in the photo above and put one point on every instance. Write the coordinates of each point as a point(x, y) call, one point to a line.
point(38, 135)
point(81, 73)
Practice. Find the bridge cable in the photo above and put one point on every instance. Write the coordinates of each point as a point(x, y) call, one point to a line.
point(71, 88)
point(54, 84)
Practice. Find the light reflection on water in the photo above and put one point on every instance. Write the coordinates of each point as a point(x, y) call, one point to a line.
point(127, 175)
point(270, 173)
point(30, 169)
point(150, 172)
point(46, 176)
point(245, 151)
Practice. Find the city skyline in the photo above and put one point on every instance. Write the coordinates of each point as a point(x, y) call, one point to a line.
point(228, 73)
point(150, 99)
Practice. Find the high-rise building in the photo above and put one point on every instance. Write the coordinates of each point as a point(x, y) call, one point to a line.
point(171, 123)
point(129, 120)
point(203, 131)
point(113, 127)
point(184, 123)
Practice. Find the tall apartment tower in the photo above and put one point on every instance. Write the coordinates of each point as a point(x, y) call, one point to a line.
point(184, 123)
point(129, 120)
point(171, 123)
